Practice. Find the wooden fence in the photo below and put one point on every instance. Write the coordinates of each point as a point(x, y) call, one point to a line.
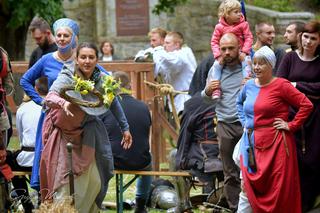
point(139, 73)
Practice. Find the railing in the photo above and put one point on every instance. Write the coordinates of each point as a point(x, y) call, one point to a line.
point(139, 73)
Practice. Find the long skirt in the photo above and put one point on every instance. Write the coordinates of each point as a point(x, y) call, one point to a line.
point(87, 187)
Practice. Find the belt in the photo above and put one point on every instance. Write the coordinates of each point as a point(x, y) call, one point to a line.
point(209, 142)
point(27, 149)
point(274, 139)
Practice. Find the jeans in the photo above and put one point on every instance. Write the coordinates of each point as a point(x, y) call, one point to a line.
point(144, 184)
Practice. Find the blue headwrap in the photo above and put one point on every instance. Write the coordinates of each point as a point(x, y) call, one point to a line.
point(73, 26)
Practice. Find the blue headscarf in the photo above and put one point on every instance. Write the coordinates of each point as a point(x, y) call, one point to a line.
point(73, 26)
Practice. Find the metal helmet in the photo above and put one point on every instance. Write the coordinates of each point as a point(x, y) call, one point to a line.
point(164, 197)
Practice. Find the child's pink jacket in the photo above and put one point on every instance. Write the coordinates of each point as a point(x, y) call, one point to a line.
point(241, 30)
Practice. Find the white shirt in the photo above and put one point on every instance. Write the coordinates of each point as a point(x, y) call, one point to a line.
point(142, 53)
point(27, 119)
point(107, 58)
point(177, 69)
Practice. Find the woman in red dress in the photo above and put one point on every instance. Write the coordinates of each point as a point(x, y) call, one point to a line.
point(268, 154)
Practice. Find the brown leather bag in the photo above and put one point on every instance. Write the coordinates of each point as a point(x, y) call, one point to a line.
point(250, 150)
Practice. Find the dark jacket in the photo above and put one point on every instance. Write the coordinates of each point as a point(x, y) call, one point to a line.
point(197, 124)
point(139, 119)
point(199, 78)
point(39, 52)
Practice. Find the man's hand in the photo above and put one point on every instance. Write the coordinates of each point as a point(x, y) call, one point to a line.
point(244, 81)
point(211, 86)
point(220, 60)
point(242, 56)
point(126, 140)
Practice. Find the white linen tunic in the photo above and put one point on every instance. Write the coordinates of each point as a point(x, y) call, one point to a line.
point(27, 119)
point(177, 69)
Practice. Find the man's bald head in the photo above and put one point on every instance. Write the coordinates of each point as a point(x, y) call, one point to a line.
point(229, 48)
point(230, 37)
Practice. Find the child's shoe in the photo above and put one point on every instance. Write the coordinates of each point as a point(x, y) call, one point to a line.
point(216, 94)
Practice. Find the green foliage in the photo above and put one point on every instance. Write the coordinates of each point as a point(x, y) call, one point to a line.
point(315, 2)
point(167, 6)
point(20, 12)
point(278, 5)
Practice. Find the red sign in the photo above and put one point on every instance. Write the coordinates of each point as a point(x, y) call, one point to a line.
point(132, 17)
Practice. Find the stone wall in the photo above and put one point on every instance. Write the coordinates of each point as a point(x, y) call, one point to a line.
point(196, 20)
point(125, 46)
point(84, 12)
point(279, 19)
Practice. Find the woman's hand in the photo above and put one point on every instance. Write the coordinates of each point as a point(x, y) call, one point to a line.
point(66, 108)
point(211, 86)
point(280, 124)
point(126, 140)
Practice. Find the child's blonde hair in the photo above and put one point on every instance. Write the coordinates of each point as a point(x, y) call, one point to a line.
point(227, 6)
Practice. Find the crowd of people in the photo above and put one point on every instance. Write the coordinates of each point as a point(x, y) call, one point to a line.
point(263, 98)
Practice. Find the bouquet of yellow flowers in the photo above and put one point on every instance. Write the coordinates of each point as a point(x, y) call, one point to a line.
point(110, 86)
point(111, 89)
point(83, 86)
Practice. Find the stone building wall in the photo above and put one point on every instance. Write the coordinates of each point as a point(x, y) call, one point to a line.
point(196, 20)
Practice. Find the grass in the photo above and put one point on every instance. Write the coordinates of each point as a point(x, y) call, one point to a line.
point(14, 143)
point(111, 194)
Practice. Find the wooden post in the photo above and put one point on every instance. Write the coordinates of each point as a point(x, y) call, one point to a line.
point(139, 72)
point(156, 136)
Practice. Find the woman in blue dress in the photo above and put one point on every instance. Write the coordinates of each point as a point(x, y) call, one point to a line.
point(66, 33)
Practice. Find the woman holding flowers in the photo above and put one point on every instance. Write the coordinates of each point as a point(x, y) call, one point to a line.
point(66, 121)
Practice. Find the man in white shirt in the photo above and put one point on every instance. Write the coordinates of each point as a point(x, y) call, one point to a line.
point(27, 118)
point(176, 64)
point(156, 36)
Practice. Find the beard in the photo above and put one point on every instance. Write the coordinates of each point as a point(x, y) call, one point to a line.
point(229, 59)
point(45, 44)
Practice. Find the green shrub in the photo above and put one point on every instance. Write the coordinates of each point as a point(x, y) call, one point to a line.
point(278, 5)
point(315, 2)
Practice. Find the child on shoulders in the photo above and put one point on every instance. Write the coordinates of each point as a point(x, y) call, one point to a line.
point(231, 20)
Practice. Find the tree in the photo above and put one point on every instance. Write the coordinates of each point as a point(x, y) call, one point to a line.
point(167, 6)
point(15, 17)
